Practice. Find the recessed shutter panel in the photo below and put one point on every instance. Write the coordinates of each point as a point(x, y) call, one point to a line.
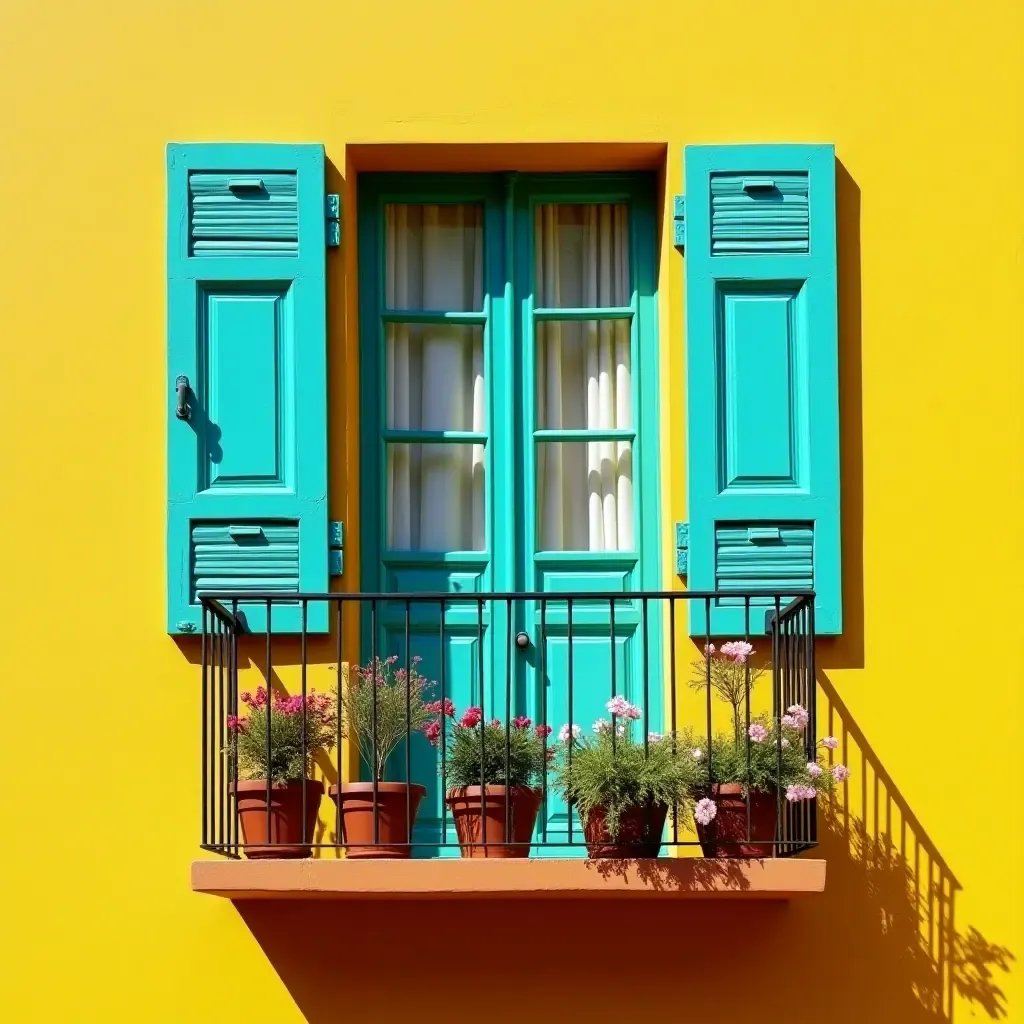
point(247, 351)
point(762, 380)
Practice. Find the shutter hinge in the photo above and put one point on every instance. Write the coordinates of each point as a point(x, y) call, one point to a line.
point(679, 221)
point(333, 214)
point(682, 549)
point(336, 557)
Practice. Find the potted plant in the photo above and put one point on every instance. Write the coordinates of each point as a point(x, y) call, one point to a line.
point(382, 706)
point(277, 798)
point(746, 772)
point(491, 772)
point(622, 784)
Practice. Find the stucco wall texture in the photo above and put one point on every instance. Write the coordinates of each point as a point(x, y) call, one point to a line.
point(921, 916)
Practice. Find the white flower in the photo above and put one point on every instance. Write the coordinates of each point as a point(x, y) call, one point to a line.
point(696, 753)
point(653, 737)
point(601, 725)
point(566, 730)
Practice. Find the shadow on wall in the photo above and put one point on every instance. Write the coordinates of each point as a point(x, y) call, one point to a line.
point(880, 944)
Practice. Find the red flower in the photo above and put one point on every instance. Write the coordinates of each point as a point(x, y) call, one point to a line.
point(495, 723)
point(433, 732)
point(434, 707)
point(522, 722)
point(236, 724)
point(471, 717)
point(543, 730)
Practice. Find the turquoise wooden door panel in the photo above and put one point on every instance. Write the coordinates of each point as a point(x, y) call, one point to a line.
point(475, 654)
point(247, 508)
point(762, 380)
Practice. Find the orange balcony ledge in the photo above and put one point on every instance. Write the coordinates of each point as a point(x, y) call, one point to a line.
point(669, 878)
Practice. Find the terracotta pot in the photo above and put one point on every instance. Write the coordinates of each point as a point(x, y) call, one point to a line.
point(470, 810)
point(279, 833)
point(640, 830)
point(397, 804)
point(729, 824)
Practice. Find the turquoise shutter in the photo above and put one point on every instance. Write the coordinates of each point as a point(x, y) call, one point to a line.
point(247, 468)
point(762, 379)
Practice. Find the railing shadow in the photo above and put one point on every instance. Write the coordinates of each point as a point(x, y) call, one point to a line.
point(895, 895)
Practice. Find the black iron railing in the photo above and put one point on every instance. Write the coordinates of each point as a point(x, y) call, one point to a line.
point(531, 654)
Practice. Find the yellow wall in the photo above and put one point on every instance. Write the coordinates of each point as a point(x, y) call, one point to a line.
point(99, 813)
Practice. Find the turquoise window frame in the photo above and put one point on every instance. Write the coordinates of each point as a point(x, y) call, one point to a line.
point(508, 314)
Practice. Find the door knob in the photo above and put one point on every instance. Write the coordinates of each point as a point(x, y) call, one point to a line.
point(522, 641)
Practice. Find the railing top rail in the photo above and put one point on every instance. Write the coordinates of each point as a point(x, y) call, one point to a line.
point(219, 598)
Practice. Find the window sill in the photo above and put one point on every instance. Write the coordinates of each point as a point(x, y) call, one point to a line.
point(667, 878)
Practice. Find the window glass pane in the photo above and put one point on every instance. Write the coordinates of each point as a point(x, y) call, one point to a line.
point(435, 497)
point(581, 255)
point(585, 496)
point(583, 375)
point(434, 377)
point(435, 256)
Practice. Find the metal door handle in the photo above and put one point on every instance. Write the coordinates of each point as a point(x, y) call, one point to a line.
point(522, 641)
point(181, 386)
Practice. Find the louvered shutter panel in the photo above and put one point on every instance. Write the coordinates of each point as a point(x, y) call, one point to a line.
point(762, 380)
point(247, 470)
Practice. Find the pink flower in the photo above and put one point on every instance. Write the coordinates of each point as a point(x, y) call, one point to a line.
point(543, 730)
point(567, 730)
point(705, 811)
point(495, 723)
point(799, 715)
point(794, 793)
point(471, 717)
point(522, 722)
point(788, 721)
point(600, 726)
point(814, 769)
point(830, 742)
point(654, 737)
point(246, 698)
point(257, 701)
point(738, 650)
point(840, 772)
point(236, 724)
point(433, 732)
point(620, 706)
point(757, 732)
point(435, 707)
point(709, 649)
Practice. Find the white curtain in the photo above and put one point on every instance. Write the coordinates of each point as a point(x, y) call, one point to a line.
point(435, 378)
point(583, 379)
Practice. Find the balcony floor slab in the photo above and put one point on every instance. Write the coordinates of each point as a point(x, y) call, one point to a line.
point(666, 878)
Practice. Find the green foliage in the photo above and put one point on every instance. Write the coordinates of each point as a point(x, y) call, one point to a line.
point(476, 752)
point(383, 703)
point(290, 731)
point(732, 676)
point(619, 773)
point(772, 764)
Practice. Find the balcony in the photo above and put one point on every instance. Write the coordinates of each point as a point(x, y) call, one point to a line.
point(407, 753)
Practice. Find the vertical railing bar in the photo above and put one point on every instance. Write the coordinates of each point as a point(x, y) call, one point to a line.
point(233, 756)
point(645, 644)
point(374, 740)
point(510, 645)
point(444, 734)
point(222, 757)
point(266, 711)
point(672, 699)
point(207, 782)
point(305, 724)
point(544, 713)
point(777, 716)
point(483, 721)
point(707, 687)
point(611, 620)
point(746, 687)
point(812, 698)
point(337, 724)
point(408, 728)
point(568, 608)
